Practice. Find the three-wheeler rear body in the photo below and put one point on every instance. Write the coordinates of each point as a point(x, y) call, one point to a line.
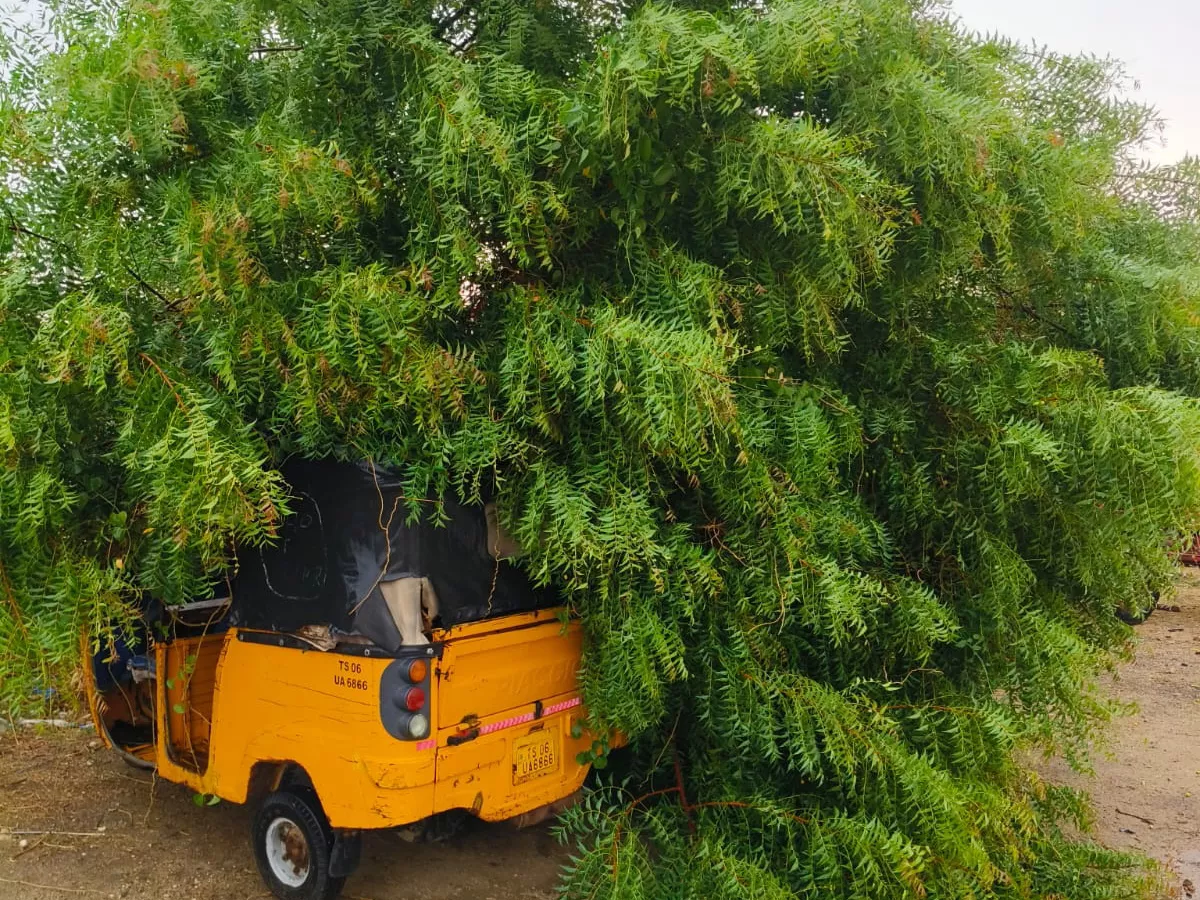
point(229, 713)
point(331, 738)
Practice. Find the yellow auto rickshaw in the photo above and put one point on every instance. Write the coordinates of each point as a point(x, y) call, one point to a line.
point(331, 731)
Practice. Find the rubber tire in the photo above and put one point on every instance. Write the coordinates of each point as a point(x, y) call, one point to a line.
point(136, 763)
point(1138, 616)
point(1133, 618)
point(301, 806)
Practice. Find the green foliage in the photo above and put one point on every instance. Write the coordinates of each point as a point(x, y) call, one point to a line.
point(836, 364)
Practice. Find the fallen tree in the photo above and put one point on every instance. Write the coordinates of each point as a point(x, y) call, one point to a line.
point(833, 363)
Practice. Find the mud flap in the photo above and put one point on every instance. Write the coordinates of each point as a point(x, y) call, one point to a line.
point(346, 854)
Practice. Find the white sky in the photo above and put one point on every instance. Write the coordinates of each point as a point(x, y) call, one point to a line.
point(1158, 40)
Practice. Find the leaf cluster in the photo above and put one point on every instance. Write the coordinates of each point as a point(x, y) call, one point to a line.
point(838, 366)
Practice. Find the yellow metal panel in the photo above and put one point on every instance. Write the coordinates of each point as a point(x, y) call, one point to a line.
point(89, 688)
point(484, 674)
point(270, 704)
point(320, 710)
point(168, 768)
point(192, 671)
point(478, 774)
point(498, 625)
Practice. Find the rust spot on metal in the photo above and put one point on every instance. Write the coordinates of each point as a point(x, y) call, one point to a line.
point(295, 849)
point(548, 811)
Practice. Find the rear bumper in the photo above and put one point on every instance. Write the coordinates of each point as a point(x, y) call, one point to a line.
point(479, 775)
point(476, 775)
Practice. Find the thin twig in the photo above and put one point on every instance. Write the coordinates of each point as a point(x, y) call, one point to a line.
point(166, 380)
point(1158, 178)
point(153, 785)
point(170, 305)
point(57, 833)
point(134, 780)
point(21, 229)
point(444, 26)
point(144, 284)
point(492, 591)
point(387, 535)
point(1121, 812)
point(29, 847)
point(50, 887)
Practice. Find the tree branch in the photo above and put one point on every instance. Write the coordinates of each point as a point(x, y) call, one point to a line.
point(263, 51)
point(146, 286)
point(21, 229)
point(169, 305)
point(446, 24)
point(167, 381)
point(1014, 304)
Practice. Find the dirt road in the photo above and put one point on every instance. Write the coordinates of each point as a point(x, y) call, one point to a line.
point(1147, 787)
point(156, 845)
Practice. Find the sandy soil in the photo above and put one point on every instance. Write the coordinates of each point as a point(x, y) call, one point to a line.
point(118, 834)
point(157, 845)
point(1146, 789)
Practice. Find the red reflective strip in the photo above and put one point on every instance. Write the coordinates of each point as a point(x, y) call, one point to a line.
point(426, 745)
point(525, 718)
point(560, 707)
point(493, 727)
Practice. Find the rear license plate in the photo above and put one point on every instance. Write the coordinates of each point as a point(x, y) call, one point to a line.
point(535, 755)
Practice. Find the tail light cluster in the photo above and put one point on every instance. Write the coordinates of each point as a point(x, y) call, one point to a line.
point(404, 696)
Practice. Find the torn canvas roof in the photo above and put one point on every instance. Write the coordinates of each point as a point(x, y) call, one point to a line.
point(348, 557)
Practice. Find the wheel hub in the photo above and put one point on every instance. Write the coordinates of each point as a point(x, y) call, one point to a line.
point(287, 852)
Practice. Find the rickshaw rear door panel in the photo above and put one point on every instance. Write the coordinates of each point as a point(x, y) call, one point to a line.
point(485, 674)
point(504, 713)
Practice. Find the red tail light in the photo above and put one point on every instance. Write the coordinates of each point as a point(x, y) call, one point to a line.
point(405, 697)
point(414, 699)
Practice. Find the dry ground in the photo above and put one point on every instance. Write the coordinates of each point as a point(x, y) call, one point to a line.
point(156, 845)
point(1147, 785)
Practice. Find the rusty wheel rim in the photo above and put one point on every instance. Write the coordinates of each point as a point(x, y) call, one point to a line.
point(287, 852)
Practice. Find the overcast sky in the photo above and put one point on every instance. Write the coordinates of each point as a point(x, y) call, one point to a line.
point(1156, 39)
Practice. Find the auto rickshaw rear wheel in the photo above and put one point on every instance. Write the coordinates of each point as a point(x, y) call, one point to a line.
point(293, 846)
point(1137, 609)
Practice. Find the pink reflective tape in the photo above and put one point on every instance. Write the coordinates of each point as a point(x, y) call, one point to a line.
point(506, 723)
point(524, 718)
point(560, 707)
point(426, 745)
